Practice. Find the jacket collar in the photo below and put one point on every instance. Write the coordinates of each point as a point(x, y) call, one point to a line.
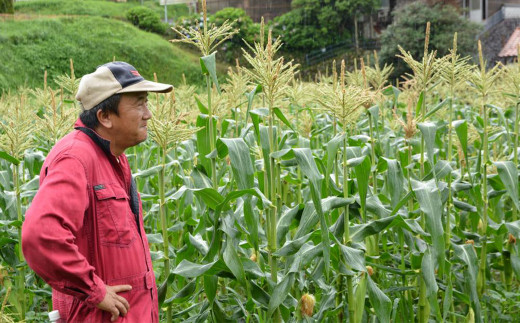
point(103, 143)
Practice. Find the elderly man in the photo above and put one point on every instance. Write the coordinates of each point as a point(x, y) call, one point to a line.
point(84, 233)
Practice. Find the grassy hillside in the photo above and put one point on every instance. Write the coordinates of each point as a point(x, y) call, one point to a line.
point(93, 8)
point(29, 47)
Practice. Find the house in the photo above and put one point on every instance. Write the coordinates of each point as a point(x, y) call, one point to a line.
point(499, 19)
point(498, 28)
point(509, 52)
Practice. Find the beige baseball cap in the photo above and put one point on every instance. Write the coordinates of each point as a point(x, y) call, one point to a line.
point(113, 78)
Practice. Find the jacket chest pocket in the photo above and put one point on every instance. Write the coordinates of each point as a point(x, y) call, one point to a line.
point(114, 217)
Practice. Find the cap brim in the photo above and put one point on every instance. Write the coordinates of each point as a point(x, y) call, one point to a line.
point(147, 86)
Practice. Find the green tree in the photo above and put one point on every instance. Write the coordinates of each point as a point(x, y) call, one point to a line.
point(247, 31)
point(313, 24)
point(6, 6)
point(146, 19)
point(408, 29)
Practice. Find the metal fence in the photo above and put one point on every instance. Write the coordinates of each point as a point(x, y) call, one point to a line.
point(337, 49)
point(256, 9)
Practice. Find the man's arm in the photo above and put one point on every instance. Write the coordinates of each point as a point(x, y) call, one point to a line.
point(48, 234)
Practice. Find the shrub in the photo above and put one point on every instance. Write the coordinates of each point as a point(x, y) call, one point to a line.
point(247, 31)
point(6, 6)
point(146, 19)
point(313, 24)
point(408, 27)
point(231, 48)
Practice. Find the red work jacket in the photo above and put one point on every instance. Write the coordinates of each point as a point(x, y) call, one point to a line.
point(84, 230)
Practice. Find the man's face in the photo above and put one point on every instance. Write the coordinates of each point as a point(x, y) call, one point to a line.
point(130, 125)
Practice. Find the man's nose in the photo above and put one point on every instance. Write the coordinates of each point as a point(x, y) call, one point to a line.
point(147, 114)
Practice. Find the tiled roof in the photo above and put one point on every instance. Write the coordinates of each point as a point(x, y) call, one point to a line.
point(511, 47)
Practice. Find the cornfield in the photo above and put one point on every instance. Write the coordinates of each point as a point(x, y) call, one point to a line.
point(270, 199)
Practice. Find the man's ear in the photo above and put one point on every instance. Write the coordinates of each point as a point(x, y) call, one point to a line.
point(104, 118)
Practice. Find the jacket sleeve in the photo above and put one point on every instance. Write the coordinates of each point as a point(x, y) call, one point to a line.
point(49, 231)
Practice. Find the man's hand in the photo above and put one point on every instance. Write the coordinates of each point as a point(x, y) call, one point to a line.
point(113, 303)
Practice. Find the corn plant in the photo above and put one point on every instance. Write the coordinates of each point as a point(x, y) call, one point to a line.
point(267, 198)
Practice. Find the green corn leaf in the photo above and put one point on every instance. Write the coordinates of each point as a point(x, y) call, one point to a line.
point(461, 128)
point(280, 293)
point(154, 170)
point(200, 179)
point(233, 262)
point(210, 287)
point(259, 295)
point(363, 175)
point(374, 205)
point(256, 116)
point(278, 112)
point(434, 110)
point(264, 144)
point(299, 260)
point(284, 223)
point(252, 269)
point(224, 205)
point(448, 298)
point(251, 222)
point(250, 97)
point(184, 294)
point(381, 303)
point(359, 298)
point(508, 173)
point(154, 238)
point(464, 206)
point(331, 153)
point(466, 253)
point(359, 232)
point(395, 180)
point(513, 228)
point(500, 113)
point(210, 196)
point(189, 269)
point(9, 158)
point(515, 264)
point(428, 274)
point(394, 309)
point(430, 203)
point(428, 130)
point(241, 164)
point(327, 302)
point(199, 243)
point(161, 290)
point(202, 108)
point(291, 247)
point(310, 217)
point(225, 125)
point(31, 185)
point(208, 65)
point(374, 113)
point(419, 105)
point(355, 258)
point(392, 90)
point(219, 313)
point(308, 166)
point(442, 169)
point(203, 141)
